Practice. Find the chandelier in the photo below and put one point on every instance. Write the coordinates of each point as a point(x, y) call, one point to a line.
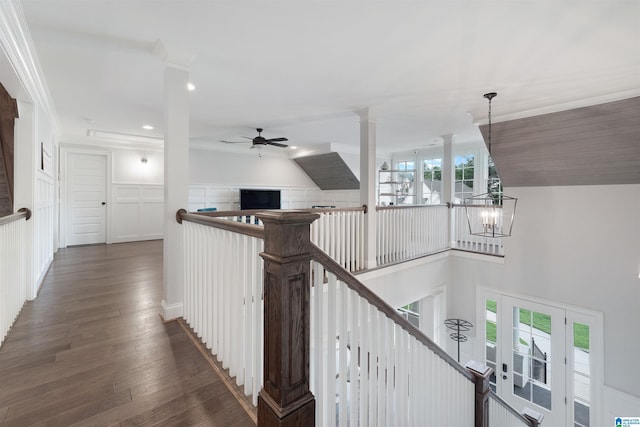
point(491, 214)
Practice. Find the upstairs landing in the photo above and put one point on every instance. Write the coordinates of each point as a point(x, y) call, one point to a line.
point(92, 350)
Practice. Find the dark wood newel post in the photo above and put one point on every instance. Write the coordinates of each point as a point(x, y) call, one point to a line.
point(285, 399)
point(481, 397)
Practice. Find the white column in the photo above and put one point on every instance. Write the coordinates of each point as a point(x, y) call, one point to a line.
point(24, 180)
point(176, 181)
point(448, 180)
point(368, 171)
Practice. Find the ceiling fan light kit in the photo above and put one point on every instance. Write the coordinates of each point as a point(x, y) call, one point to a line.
point(259, 140)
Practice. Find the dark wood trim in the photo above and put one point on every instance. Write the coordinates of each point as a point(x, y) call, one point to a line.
point(22, 213)
point(481, 397)
point(508, 407)
point(285, 399)
point(236, 227)
point(352, 282)
point(399, 207)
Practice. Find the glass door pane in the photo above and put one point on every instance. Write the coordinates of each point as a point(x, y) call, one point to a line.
point(581, 374)
point(532, 371)
point(491, 330)
point(531, 356)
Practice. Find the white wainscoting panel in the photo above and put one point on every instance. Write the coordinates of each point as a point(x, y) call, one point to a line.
point(137, 212)
point(228, 198)
point(43, 232)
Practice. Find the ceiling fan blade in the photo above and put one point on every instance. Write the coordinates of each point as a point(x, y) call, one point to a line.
point(233, 142)
point(277, 139)
point(248, 137)
point(276, 144)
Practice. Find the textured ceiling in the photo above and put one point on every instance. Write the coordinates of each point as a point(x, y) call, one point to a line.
point(302, 69)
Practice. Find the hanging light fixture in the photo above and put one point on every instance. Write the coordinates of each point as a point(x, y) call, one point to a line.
point(491, 214)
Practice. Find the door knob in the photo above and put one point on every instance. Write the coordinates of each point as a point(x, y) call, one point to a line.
point(104, 203)
point(504, 377)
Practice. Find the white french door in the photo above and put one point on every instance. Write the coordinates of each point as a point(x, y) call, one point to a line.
point(546, 358)
point(532, 369)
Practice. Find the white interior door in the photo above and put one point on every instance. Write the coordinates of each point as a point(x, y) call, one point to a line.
point(532, 369)
point(86, 198)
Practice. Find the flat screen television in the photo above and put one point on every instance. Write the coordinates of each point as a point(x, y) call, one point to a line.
point(259, 199)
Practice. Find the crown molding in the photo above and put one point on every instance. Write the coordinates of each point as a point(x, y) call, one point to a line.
point(16, 41)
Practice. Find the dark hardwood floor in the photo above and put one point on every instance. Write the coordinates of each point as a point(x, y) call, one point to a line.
point(92, 350)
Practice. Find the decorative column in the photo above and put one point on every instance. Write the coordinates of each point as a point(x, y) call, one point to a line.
point(176, 180)
point(368, 172)
point(481, 395)
point(285, 399)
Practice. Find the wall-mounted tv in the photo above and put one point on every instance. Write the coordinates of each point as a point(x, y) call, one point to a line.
point(259, 199)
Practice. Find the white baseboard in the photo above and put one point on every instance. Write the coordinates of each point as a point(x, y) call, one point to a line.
point(171, 311)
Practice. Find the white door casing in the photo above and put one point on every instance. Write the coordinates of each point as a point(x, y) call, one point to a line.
point(86, 191)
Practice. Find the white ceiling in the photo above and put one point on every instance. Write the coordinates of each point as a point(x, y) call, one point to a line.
point(301, 69)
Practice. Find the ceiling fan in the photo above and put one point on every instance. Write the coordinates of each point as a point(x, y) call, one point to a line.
point(261, 140)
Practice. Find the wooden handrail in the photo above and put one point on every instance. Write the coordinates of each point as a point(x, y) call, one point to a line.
point(508, 407)
point(247, 212)
point(236, 227)
point(22, 213)
point(398, 207)
point(373, 299)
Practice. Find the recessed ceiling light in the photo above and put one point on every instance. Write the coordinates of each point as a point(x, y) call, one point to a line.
point(293, 147)
point(191, 87)
point(147, 127)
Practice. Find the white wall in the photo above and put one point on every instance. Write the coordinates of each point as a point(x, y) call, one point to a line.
point(135, 191)
point(407, 282)
point(235, 169)
point(581, 246)
point(137, 195)
point(576, 246)
point(216, 178)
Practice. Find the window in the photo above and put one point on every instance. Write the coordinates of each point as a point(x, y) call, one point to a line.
point(432, 184)
point(464, 169)
point(494, 186)
point(406, 182)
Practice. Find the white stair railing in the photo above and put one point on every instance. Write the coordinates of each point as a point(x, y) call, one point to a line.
point(340, 233)
point(369, 366)
point(223, 294)
point(13, 268)
point(464, 240)
point(503, 415)
point(406, 232)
